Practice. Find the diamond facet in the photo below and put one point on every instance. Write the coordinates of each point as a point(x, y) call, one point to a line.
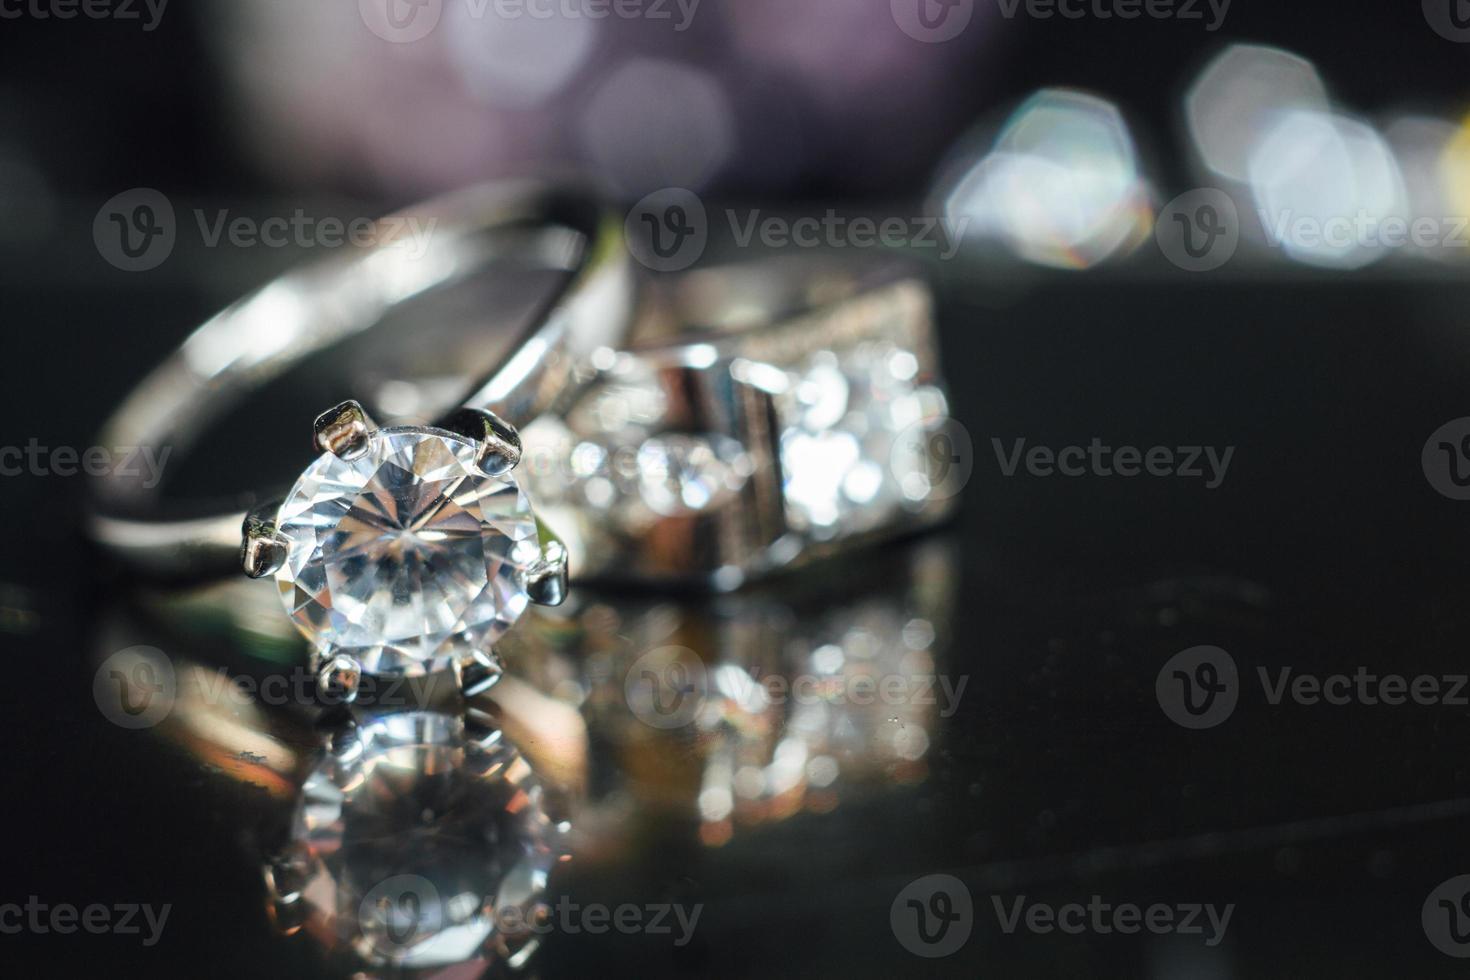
point(418, 847)
point(845, 412)
point(407, 555)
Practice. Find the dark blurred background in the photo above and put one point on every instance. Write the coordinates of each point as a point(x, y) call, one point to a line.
point(1326, 549)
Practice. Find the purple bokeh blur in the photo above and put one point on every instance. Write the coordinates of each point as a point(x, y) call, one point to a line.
point(767, 97)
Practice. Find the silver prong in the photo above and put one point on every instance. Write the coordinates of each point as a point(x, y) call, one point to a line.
point(343, 431)
point(338, 679)
point(499, 442)
point(285, 877)
point(476, 673)
point(262, 547)
point(546, 581)
point(482, 726)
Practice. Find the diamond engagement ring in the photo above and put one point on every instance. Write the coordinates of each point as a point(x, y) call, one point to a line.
point(402, 551)
point(705, 429)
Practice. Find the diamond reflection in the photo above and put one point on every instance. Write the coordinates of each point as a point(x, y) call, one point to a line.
point(421, 841)
point(758, 706)
point(421, 844)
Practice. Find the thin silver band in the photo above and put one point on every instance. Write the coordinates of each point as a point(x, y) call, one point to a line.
point(315, 308)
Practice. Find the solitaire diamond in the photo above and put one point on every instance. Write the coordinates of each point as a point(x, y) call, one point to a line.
point(406, 553)
point(420, 847)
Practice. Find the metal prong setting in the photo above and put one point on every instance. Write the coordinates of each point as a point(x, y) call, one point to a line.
point(338, 679)
point(499, 442)
point(483, 726)
point(343, 431)
point(477, 673)
point(285, 877)
point(262, 547)
point(546, 581)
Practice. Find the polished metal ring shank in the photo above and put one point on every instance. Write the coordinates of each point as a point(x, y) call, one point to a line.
point(237, 352)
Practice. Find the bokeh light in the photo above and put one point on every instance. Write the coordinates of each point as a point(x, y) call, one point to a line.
point(1062, 185)
point(1324, 186)
point(1239, 96)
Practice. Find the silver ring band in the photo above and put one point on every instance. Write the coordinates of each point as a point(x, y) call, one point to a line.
point(320, 306)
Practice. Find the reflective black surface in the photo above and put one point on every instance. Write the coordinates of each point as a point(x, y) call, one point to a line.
point(1057, 776)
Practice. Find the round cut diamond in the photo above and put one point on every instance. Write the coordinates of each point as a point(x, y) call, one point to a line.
point(406, 555)
point(418, 847)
